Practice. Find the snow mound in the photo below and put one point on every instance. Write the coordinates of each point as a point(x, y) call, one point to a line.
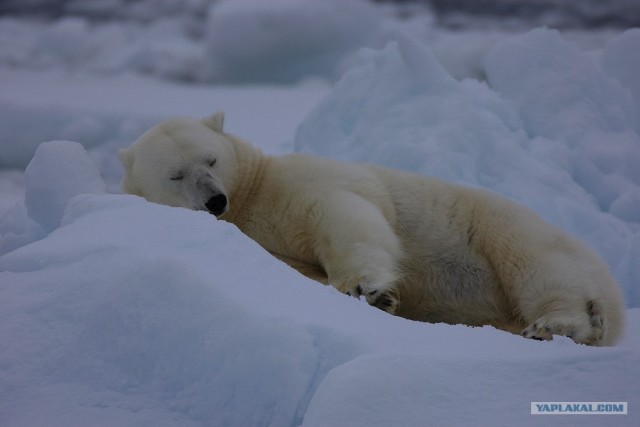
point(181, 320)
point(238, 41)
point(285, 40)
point(621, 60)
point(66, 164)
point(58, 171)
point(19, 137)
point(583, 118)
point(253, 41)
point(551, 130)
point(134, 329)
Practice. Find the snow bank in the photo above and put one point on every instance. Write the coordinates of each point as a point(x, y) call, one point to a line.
point(239, 41)
point(551, 130)
point(132, 313)
point(583, 119)
point(67, 165)
point(20, 136)
point(59, 171)
point(253, 41)
point(621, 60)
point(161, 48)
point(284, 40)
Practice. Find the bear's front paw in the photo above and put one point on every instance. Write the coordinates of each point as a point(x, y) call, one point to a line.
point(384, 300)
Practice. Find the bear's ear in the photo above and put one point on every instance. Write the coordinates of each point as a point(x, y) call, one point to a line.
point(215, 122)
point(126, 157)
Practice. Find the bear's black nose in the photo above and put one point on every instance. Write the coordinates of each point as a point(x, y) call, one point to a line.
point(217, 204)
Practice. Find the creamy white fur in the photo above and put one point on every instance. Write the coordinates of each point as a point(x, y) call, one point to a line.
point(414, 246)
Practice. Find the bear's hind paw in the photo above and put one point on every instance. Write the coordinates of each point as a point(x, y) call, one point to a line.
point(582, 331)
point(384, 300)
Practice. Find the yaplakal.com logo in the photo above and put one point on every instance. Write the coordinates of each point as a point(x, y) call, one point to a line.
point(584, 408)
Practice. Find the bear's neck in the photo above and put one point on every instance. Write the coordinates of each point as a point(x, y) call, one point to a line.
point(251, 169)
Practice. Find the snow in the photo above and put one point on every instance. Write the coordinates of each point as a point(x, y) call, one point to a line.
point(182, 320)
point(46, 204)
point(621, 60)
point(116, 311)
point(238, 41)
point(297, 37)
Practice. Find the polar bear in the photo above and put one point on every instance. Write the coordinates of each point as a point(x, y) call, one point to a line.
point(410, 245)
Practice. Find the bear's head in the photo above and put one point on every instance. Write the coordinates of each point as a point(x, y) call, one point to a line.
point(182, 162)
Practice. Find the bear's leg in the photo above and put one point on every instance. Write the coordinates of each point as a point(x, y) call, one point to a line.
point(358, 249)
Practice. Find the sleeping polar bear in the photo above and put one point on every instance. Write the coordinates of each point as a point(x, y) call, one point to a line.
point(413, 246)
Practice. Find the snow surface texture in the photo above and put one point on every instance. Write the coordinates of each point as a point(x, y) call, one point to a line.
point(132, 313)
point(551, 130)
point(114, 311)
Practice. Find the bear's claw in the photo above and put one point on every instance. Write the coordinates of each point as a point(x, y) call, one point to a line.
point(580, 328)
point(385, 301)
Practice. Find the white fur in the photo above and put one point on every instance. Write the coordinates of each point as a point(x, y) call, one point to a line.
point(415, 246)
